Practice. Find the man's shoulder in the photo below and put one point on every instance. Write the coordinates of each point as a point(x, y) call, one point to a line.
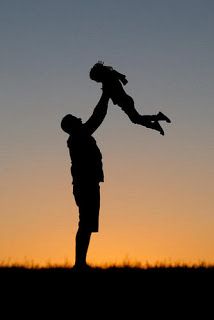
point(81, 135)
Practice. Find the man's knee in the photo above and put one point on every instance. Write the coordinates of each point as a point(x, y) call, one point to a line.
point(83, 230)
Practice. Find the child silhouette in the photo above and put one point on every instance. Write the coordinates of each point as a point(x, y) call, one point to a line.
point(113, 82)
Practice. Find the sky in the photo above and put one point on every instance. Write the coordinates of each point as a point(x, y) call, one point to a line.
point(157, 198)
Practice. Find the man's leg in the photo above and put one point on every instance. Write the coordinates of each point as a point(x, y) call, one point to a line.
point(82, 242)
point(88, 200)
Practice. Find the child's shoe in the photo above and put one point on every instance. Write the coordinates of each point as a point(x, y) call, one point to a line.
point(163, 117)
point(156, 126)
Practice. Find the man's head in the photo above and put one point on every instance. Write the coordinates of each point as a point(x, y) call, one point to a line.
point(70, 123)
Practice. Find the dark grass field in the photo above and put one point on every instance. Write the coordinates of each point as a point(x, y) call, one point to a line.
point(124, 269)
point(115, 292)
point(114, 276)
point(124, 272)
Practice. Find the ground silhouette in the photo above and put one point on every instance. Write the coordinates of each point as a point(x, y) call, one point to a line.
point(113, 292)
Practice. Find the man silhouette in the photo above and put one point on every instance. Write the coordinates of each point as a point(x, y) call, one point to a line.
point(87, 173)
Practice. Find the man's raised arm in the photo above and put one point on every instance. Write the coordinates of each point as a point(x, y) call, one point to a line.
point(98, 114)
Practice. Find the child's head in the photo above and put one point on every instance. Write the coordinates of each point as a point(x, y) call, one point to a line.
point(98, 72)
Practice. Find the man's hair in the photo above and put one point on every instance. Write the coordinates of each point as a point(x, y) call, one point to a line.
point(67, 122)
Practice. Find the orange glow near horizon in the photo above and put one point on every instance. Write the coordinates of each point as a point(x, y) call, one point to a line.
point(140, 221)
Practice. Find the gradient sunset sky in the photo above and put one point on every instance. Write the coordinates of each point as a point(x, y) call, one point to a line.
point(158, 196)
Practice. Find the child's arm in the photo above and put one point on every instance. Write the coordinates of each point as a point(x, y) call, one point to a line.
point(120, 76)
point(117, 74)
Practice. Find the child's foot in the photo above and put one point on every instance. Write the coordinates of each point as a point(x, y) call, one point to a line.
point(163, 117)
point(157, 126)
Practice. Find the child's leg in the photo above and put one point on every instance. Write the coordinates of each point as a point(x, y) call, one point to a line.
point(156, 117)
point(149, 121)
point(127, 105)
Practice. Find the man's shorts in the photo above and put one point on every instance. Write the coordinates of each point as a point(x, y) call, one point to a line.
point(87, 197)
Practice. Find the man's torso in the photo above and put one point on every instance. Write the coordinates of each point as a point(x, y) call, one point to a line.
point(86, 158)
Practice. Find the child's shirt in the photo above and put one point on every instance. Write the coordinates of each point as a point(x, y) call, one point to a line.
point(114, 85)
